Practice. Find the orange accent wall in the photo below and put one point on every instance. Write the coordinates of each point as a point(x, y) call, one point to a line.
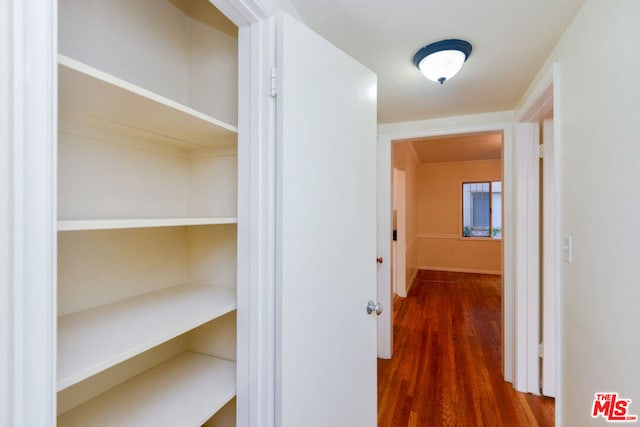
point(439, 226)
point(405, 160)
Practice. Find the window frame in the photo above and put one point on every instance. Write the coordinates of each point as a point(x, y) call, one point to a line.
point(461, 210)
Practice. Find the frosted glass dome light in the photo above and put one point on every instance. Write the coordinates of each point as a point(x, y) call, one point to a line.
point(442, 60)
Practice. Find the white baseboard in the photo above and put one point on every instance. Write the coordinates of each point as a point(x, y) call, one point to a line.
point(459, 270)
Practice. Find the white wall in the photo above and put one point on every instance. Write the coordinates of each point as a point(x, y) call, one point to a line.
point(5, 219)
point(598, 149)
point(183, 50)
point(94, 33)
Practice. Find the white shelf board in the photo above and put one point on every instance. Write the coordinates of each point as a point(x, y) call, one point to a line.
point(93, 340)
point(112, 224)
point(184, 391)
point(96, 94)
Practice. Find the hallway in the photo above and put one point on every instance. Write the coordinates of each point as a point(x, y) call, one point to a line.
point(446, 366)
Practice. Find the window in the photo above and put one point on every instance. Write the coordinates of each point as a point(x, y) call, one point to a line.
point(482, 209)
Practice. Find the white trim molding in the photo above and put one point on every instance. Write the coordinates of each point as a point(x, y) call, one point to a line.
point(241, 12)
point(33, 246)
point(6, 226)
point(539, 103)
point(445, 126)
point(387, 134)
point(550, 249)
point(256, 227)
point(385, 231)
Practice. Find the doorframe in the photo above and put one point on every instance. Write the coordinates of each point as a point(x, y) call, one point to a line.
point(5, 217)
point(31, 353)
point(550, 251)
point(541, 99)
point(256, 341)
point(32, 213)
point(399, 267)
point(389, 133)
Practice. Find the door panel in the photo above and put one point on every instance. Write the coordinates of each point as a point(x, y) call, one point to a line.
point(550, 243)
point(326, 234)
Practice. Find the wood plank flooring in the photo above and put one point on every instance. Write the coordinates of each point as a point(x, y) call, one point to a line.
point(446, 366)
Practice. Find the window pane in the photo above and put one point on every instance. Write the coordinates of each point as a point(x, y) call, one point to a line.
point(496, 210)
point(476, 217)
point(482, 209)
point(466, 210)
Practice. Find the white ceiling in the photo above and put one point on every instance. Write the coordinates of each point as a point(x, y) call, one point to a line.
point(511, 40)
point(458, 148)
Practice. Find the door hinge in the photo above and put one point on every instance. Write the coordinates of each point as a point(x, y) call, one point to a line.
point(541, 350)
point(273, 82)
point(541, 151)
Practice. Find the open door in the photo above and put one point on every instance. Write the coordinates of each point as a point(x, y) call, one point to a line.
point(550, 243)
point(326, 234)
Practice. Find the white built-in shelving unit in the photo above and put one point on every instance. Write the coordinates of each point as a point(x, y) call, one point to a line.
point(147, 219)
point(90, 341)
point(158, 398)
point(90, 92)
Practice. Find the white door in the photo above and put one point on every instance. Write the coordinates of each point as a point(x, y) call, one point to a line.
point(326, 234)
point(527, 258)
point(550, 243)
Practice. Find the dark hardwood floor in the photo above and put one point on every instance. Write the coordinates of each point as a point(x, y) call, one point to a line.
point(446, 366)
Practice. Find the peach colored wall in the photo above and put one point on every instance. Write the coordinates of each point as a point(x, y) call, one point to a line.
point(404, 159)
point(440, 244)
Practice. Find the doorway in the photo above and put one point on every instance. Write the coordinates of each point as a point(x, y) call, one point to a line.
point(486, 123)
point(521, 308)
point(507, 254)
point(537, 242)
point(441, 335)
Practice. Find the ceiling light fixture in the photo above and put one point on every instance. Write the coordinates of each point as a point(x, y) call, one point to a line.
point(442, 60)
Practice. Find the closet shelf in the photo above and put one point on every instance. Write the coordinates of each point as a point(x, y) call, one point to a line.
point(92, 93)
point(184, 391)
point(93, 340)
point(113, 224)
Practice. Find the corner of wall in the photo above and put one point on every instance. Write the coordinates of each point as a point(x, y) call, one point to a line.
point(5, 217)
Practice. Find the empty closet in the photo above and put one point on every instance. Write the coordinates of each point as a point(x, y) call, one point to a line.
point(190, 185)
point(147, 216)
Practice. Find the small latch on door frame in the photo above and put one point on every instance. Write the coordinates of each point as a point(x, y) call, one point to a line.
point(273, 82)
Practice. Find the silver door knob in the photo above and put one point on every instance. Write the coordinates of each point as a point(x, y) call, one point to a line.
point(374, 307)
